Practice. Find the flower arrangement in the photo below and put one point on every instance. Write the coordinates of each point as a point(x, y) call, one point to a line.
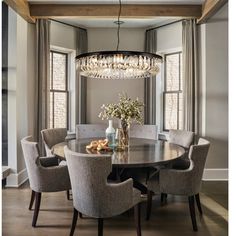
point(127, 110)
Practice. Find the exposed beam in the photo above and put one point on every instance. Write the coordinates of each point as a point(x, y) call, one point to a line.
point(108, 10)
point(209, 8)
point(22, 8)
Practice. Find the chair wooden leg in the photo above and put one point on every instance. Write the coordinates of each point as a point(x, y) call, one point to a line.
point(100, 226)
point(80, 215)
point(197, 197)
point(149, 204)
point(192, 212)
point(68, 194)
point(74, 221)
point(137, 209)
point(32, 199)
point(163, 197)
point(36, 208)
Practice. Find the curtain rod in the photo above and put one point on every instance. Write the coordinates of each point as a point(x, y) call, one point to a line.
point(165, 25)
point(67, 24)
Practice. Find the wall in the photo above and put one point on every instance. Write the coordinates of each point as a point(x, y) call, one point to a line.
point(214, 87)
point(103, 91)
point(21, 69)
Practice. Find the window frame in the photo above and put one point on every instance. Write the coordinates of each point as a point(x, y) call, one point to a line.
point(66, 91)
point(165, 91)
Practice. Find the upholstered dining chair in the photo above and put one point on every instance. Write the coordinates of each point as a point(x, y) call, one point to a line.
point(90, 130)
point(45, 175)
point(182, 182)
point(144, 131)
point(140, 175)
point(51, 137)
point(93, 195)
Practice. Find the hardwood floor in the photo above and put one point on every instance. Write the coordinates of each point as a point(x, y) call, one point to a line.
point(56, 213)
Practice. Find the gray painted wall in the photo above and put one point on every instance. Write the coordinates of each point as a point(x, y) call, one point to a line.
point(103, 91)
point(214, 82)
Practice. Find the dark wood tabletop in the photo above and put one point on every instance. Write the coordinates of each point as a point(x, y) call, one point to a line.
point(141, 152)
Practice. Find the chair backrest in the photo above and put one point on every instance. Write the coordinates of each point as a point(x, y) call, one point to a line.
point(88, 175)
point(51, 137)
point(31, 156)
point(143, 131)
point(90, 130)
point(198, 154)
point(181, 137)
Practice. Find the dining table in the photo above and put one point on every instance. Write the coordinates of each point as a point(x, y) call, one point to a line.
point(140, 152)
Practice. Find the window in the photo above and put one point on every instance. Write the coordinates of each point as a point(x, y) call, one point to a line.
point(58, 90)
point(172, 94)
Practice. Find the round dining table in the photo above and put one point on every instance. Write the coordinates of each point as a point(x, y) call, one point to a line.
point(140, 153)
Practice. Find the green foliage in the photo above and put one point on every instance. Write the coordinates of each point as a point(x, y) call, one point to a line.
point(127, 110)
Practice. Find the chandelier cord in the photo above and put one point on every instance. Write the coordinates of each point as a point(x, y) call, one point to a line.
point(118, 29)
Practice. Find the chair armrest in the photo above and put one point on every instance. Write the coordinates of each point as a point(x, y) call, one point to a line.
point(54, 178)
point(48, 161)
point(174, 181)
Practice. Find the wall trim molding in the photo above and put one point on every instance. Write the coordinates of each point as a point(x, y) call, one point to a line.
point(16, 180)
point(215, 174)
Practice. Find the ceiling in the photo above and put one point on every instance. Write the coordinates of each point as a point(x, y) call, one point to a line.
point(109, 22)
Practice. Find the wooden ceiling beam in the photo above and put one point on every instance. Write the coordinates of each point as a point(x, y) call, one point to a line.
point(111, 10)
point(209, 8)
point(22, 8)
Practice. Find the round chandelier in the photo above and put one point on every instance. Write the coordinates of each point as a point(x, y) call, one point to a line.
point(118, 64)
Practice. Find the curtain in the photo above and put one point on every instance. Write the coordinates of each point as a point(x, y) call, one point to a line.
point(42, 79)
point(81, 81)
point(150, 83)
point(190, 76)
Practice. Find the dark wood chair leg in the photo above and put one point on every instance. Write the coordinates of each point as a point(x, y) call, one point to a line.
point(149, 204)
point(36, 208)
point(192, 212)
point(68, 194)
point(80, 215)
point(74, 221)
point(32, 199)
point(163, 197)
point(137, 209)
point(100, 226)
point(197, 197)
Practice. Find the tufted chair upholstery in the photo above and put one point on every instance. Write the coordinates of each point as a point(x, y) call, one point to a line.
point(92, 194)
point(183, 182)
point(45, 175)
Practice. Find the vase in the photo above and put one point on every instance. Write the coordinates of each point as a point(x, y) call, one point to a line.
point(125, 128)
point(110, 134)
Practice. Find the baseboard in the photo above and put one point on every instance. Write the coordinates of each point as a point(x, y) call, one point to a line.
point(16, 180)
point(215, 175)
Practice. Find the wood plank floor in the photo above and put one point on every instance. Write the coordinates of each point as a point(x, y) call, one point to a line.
point(171, 219)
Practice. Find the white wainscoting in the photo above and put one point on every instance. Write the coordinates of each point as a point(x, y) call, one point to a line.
point(215, 175)
point(16, 180)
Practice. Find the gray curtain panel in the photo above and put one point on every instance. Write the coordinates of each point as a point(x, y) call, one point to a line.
point(81, 81)
point(150, 83)
point(42, 79)
point(190, 76)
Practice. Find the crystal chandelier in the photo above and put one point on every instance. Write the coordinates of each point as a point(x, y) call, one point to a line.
point(118, 64)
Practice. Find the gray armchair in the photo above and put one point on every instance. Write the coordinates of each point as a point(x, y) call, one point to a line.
point(182, 182)
point(144, 131)
point(140, 175)
point(93, 195)
point(45, 175)
point(90, 130)
point(51, 137)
